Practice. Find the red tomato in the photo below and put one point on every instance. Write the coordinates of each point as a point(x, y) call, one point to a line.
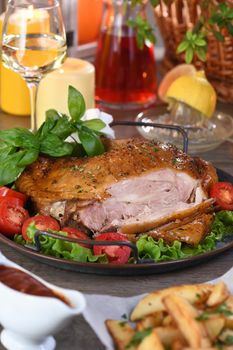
point(75, 233)
point(116, 254)
point(42, 223)
point(223, 193)
point(12, 216)
point(7, 192)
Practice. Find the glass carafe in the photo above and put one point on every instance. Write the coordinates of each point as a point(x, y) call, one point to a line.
point(125, 74)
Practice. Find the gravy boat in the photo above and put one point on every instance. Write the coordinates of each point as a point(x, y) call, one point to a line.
point(28, 320)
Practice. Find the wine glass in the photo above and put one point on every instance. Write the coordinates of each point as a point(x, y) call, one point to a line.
point(33, 42)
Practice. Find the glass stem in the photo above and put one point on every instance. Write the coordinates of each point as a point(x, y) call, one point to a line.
point(33, 90)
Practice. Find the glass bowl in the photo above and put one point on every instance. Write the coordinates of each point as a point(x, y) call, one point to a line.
point(201, 139)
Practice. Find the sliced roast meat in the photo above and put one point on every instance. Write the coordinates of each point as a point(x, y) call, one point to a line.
point(147, 198)
point(191, 233)
point(134, 186)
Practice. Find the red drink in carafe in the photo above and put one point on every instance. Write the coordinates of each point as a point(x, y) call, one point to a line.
point(125, 74)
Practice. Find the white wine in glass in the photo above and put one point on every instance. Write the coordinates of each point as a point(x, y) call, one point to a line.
point(34, 42)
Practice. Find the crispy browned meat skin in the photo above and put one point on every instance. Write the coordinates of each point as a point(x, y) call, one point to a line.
point(191, 233)
point(146, 225)
point(50, 180)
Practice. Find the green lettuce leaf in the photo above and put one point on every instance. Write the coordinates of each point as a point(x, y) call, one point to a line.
point(158, 250)
point(148, 248)
point(62, 249)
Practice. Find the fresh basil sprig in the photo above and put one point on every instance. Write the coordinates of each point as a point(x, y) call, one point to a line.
point(20, 147)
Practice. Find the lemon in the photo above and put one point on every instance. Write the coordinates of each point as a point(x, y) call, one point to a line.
point(172, 75)
point(195, 91)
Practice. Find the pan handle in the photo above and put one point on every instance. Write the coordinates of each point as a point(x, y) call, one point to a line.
point(131, 245)
point(179, 129)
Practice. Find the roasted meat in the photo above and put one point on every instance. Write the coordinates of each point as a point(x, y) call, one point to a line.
point(135, 186)
point(191, 233)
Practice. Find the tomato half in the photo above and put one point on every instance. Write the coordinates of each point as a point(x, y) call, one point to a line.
point(116, 254)
point(75, 233)
point(223, 193)
point(42, 223)
point(7, 192)
point(12, 216)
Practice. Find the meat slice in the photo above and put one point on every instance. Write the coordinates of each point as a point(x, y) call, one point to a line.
point(136, 205)
point(191, 233)
point(133, 186)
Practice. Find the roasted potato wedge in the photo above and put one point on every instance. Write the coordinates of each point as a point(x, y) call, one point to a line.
point(214, 326)
point(218, 295)
point(150, 321)
point(168, 335)
point(191, 317)
point(153, 302)
point(150, 342)
point(121, 334)
point(184, 315)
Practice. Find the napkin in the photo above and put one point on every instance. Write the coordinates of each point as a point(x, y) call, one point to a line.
point(102, 307)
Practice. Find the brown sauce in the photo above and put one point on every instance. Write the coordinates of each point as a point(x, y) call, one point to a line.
point(24, 283)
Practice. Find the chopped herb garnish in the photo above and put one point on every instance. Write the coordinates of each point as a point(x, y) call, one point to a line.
point(156, 149)
point(122, 323)
point(138, 337)
point(221, 309)
point(224, 310)
point(174, 161)
point(198, 295)
point(229, 340)
point(202, 317)
point(124, 317)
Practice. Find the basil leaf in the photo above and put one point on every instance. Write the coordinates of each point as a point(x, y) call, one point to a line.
point(51, 118)
point(9, 168)
point(29, 157)
point(90, 141)
point(19, 137)
point(76, 104)
point(5, 151)
point(55, 147)
point(78, 150)
point(94, 124)
point(63, 128)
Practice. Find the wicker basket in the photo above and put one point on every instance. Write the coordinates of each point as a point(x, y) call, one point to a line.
point(173, 21)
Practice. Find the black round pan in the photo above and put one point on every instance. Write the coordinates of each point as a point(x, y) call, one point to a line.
point(126, 269)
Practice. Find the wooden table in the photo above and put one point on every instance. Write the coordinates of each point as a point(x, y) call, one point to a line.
point(78, 335)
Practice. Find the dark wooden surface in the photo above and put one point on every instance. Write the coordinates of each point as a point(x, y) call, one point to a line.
point(78, 335)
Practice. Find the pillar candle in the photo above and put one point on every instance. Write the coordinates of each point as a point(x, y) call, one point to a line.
point(53, 89)
point(14, 91)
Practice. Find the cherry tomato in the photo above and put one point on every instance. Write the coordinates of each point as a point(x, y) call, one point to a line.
point(12, 216)
point(75, 233)
point(7, 192)
point(223, 193)
point(116, 254)
point(42, 223)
